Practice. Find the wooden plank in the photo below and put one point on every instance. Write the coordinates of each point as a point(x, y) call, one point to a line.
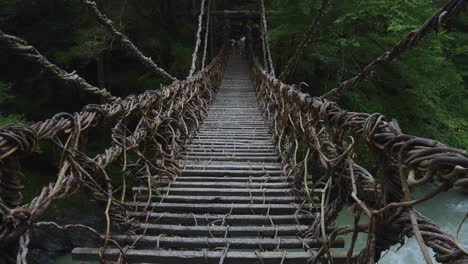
point(229, 154)
point(257, 130)
point(232, 141)
point(243, 121)
point(202, 257)
point(215, 191)
point(218, 144)
point(234, 179)
point(232, 134)
point(232, 219)
point(224, 192)
point(236, 128)
point(221, 231)
point(223, 173)
point(231, 146)
point(216, 208)
point(227, 158)
point(230, 166)
point(251, 185)
point(221, 151)
point(211, 243)
point(219, 199)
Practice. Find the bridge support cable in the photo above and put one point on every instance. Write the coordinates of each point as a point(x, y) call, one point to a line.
point(23, 49)
point(207, 32)
point(306, 41)
point(265, 38)
point(264, 51)
point(172, 111)
point(297, 119)
point(198, 39)
point(411, 39)
point(127, 43)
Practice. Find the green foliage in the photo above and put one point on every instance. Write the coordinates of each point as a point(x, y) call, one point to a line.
point(69, 36)
point(5, 97)
point(11, 119)
point(425, 90)
point(5, 92)
point(88, 45)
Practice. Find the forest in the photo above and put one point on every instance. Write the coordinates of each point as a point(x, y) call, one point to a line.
point(425, 90)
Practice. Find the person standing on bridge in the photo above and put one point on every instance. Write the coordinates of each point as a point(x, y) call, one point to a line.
point(242, 45)
point(233, 42)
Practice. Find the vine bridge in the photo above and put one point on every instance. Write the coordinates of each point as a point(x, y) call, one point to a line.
point(232, 165)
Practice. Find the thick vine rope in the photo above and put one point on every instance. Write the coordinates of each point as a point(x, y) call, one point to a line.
point(207, 32)
point(23, 49)
point(265, 37)
point(296, 118)
point(306, 41)
point(198, 41)
point(133, 50)
point(264, 51)
point(166, 117)
point(433, 23)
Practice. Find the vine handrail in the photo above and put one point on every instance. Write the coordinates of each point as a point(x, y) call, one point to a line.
point(164, 119)
point(299, 120)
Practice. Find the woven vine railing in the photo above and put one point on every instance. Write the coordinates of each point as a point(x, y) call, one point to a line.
point(312, 130)
point(152, 127)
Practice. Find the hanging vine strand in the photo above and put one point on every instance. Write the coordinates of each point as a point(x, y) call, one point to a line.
point(133, 50)
point(433, 23)
point(265, 37)
point(23, 49)
point(306, 41)
point(207, 32)
point(198, 39)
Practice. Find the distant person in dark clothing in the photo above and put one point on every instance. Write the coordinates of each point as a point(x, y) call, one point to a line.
point(233, 42)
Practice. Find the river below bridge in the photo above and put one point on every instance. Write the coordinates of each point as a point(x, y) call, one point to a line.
point(446, 210)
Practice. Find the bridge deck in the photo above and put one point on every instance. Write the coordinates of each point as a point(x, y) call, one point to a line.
point(232, 202)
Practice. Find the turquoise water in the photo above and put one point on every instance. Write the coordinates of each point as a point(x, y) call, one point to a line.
point(446, 210)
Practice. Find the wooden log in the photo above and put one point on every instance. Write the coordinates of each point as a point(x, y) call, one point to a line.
point(216, 191)
point(219, 199)
point(230, 154)
point(227, 158)
point(230, 166)
point(232, 219)
point(223, 173)
point(215, 137)
point(235, 123)
point(221, 231)
point(231, 146)
point(216, 208)
point(202, 257)
point(211, 243)
point(234, 133)
point(234, 127)
point(251, 185)
point(234, 179)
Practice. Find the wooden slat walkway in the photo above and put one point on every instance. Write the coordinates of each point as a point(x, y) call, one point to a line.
point(232, 202)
